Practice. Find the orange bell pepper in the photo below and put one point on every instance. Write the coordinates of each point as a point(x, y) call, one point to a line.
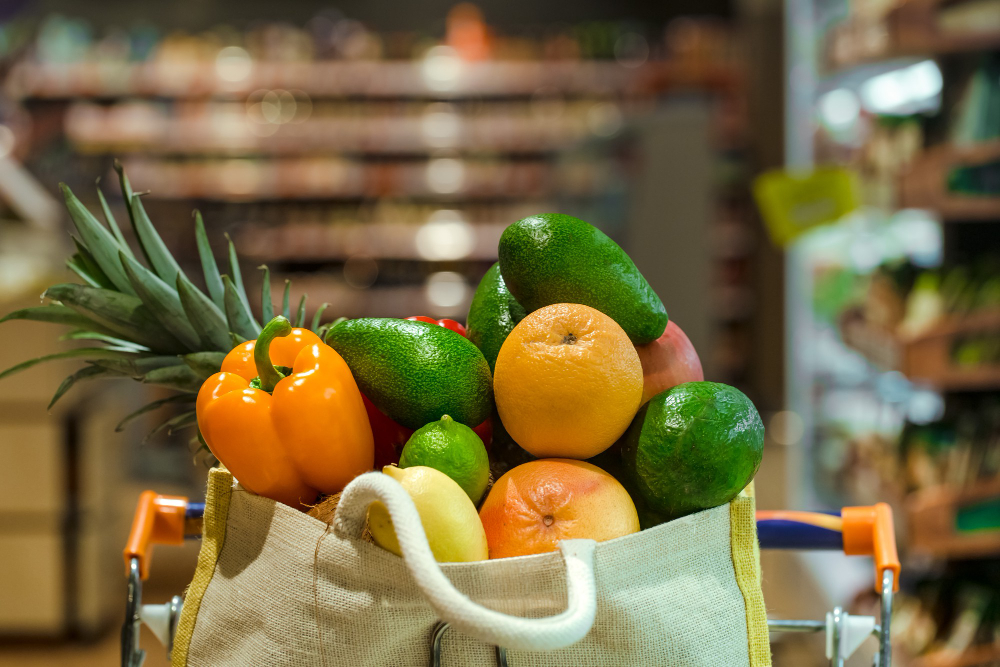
point(286, 438)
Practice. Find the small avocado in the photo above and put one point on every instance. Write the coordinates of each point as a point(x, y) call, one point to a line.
point(493, 314)
point(554, 258)
point(415, 372)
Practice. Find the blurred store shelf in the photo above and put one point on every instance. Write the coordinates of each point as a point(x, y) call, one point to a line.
point(448, 239)
point(956, 523)
point(943, 179)
point(978, 656)
point(445, 79)
point(371, 129)
point(913, 27)
point(331, 178)
point(927, 358)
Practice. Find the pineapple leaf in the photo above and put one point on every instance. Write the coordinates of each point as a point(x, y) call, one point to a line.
point(119, 314)
point(286, 307)
point(149, 407)
point(162, 300)
point(237, 312)
point(112, 223)
point(177, 423)
point(300, 315)
point(205, 316)
point(237, 339)
point(181, 422)
point(317, 316)
point(90, 266)
point(324, 330)
point(208, 266)
point(237, 279)
point(56, 314)
point(99, 241)
point(137, 367)
point(121, 343)
point(205, 364)
point(95, 353)
point(76, 265)
point(126, 187)
point(266, 305)
point(85, 373)
point(156, 252)
point(179, 377)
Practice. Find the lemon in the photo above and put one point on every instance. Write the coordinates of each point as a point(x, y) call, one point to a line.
point(452, 448)
point(449, 518)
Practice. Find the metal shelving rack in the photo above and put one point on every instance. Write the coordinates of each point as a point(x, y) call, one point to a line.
point(880, 368)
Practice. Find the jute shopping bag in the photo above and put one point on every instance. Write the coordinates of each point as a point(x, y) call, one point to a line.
point(276, 587)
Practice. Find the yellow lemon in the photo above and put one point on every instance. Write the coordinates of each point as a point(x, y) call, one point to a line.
point(449, 518)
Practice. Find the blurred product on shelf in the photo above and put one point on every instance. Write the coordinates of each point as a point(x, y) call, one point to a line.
point(881, 122)
point(946, 620)
point(940, 327)
point(893, 29)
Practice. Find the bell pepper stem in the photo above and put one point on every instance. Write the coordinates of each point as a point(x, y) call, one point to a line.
point(266, 372)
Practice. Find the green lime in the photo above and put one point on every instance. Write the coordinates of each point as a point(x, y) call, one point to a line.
point(452, 448)
point(692, 447)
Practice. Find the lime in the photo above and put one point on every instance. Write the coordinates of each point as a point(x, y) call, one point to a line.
point(453, 449)
point(692, 447)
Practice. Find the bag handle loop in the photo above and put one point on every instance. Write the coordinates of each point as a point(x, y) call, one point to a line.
point(451, 605)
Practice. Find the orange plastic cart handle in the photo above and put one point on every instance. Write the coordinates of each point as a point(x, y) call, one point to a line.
point(868, 531)
point(158, 520)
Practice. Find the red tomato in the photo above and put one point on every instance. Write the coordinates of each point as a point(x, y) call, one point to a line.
point(446, 323)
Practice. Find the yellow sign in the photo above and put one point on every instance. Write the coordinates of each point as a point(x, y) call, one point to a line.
point(792, 202)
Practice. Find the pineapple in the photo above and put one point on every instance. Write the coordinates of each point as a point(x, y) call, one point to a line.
point(148, 321)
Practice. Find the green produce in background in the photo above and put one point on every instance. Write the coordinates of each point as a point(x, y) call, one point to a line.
point(492, 315)
point(692, 447)
point(553, 258)
point(415, 372)
point(452, 448)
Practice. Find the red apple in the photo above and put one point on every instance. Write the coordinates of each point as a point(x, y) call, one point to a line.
point(668, 361)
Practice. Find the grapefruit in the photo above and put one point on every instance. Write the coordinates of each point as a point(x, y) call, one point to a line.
point(538, 503)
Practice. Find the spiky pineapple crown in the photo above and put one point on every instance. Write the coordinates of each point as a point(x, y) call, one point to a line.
point(149, 322)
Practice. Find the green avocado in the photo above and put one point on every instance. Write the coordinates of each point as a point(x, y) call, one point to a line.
point(692, 447)
point(553, 258)
point(415, 372)
point(493, 314)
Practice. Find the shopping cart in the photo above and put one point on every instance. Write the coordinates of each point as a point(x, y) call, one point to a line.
point(857, 531)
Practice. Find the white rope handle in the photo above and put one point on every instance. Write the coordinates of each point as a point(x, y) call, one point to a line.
point(487, 625)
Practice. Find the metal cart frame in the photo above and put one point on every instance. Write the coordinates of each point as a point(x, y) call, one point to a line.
point(857, 531)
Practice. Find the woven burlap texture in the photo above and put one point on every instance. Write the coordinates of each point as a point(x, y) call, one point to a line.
point(285, 590)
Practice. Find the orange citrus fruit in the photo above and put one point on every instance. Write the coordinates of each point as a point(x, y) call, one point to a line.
point(567, 382)
point(538, 503)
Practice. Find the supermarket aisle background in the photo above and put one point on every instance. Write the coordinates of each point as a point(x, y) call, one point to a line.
point(373, 156)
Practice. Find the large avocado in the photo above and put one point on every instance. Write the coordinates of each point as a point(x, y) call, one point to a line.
point(493, 314)
point(416, 372)
point(553, 258)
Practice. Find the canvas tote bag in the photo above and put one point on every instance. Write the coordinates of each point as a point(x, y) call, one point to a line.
point(274, 586)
